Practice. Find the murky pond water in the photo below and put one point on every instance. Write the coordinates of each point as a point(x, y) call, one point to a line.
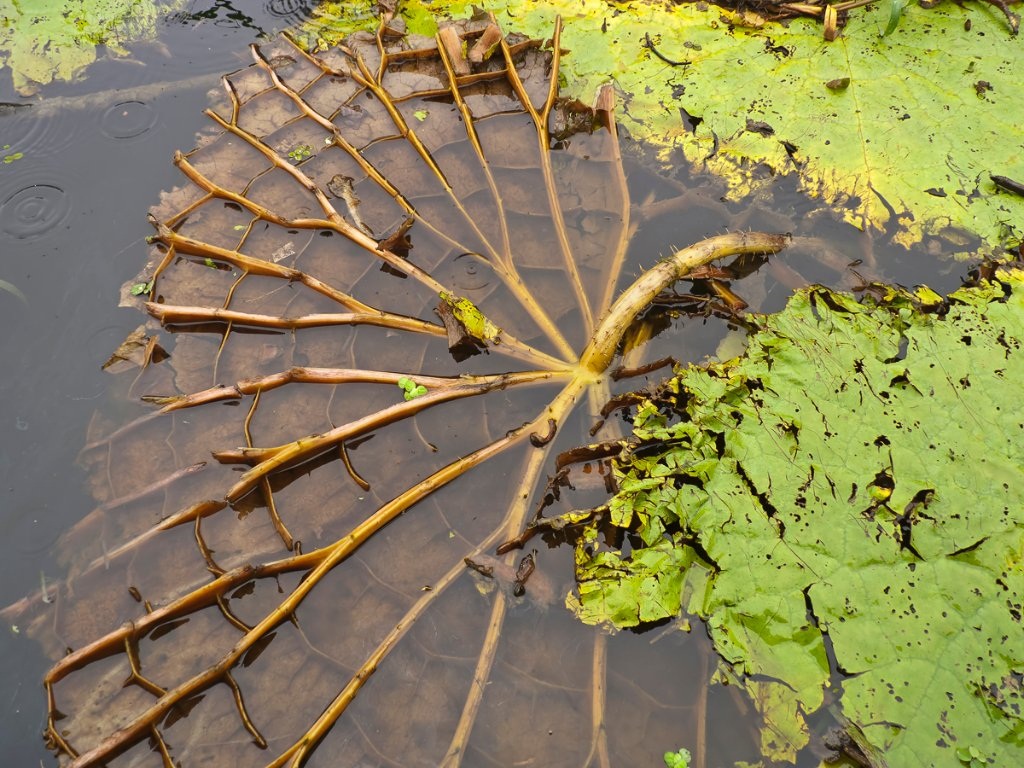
point(73, 222)
point(72, 229)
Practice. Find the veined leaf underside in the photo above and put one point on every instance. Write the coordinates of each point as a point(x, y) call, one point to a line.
point(354, 216)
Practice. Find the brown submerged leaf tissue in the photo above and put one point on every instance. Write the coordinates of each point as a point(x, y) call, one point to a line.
point(274, 574)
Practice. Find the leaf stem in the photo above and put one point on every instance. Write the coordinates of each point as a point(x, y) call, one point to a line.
point(601, 350)
point(509, 344)
point(297, 754)
point(505, 264)
point(274, 459)
point(598, 702)
point(170, 314)
point(605, 109)
point(540, 120)
point(336, 376)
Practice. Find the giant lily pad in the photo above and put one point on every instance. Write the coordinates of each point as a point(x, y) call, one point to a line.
point(848, 488)
point(391, 266)
point(902, 133)
point(46, 40)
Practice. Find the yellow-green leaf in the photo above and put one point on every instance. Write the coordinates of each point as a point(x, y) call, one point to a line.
point(907, 145)
point(46, 40)
point(472, 319)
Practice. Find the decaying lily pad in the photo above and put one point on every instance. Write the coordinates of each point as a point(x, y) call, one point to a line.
point(285, 522)
point(842, 505)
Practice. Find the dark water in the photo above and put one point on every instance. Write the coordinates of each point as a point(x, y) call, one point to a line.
point(72, 223)
point(72, 228)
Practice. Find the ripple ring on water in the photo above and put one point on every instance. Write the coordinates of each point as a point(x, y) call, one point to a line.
point(31, 532)
point(467, 275)
point(33, 210)
point(127, 119)
point(293, 11)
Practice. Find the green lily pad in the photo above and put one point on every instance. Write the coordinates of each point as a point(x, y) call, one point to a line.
point(46, 40)
point(899, 132)
point(851, 481)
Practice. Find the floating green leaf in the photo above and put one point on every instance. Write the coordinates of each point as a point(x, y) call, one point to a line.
point(907, 146)
point(411, 389)
point(971, 756)
point(300, 153)
point(853, 479)
point(330, 22)
point(680, 759)
point(13, 156)
point(472, 319)
point(47, 40)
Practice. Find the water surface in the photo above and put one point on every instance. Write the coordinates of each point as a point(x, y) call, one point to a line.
point(72, 227)
point(72, 224)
